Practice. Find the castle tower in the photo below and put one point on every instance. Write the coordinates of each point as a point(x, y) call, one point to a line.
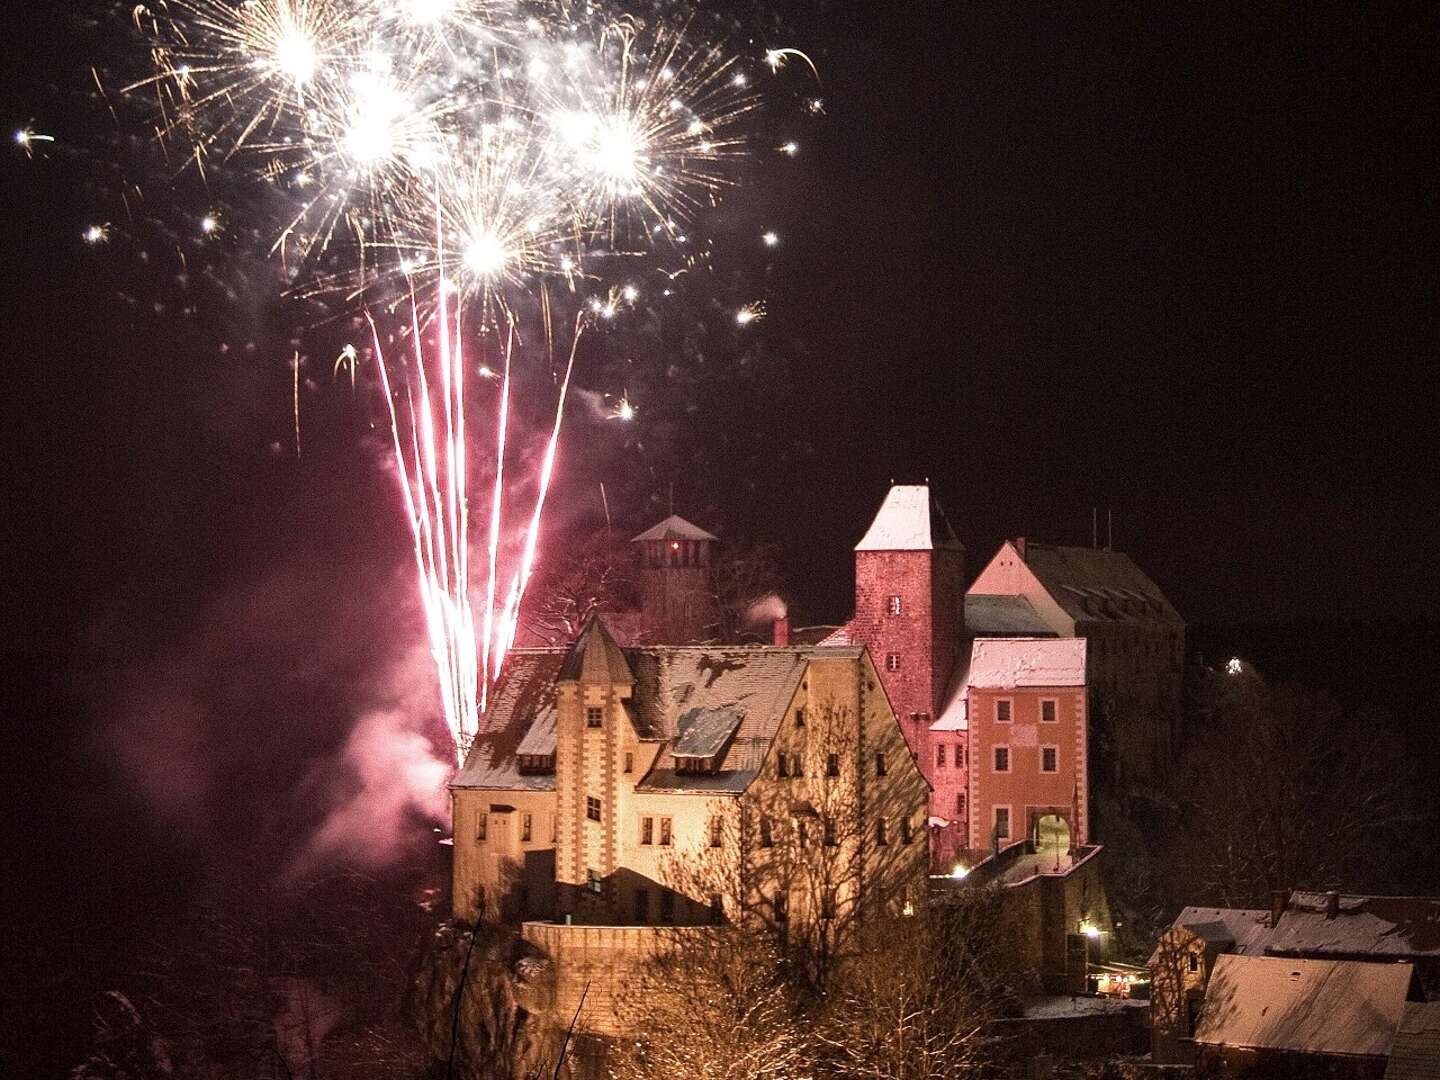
point(675, 580)
point(910, 606)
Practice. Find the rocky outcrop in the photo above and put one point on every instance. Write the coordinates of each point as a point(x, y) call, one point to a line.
point(504, 1027)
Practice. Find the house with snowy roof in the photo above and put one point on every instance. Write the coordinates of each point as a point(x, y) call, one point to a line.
point(671, 785)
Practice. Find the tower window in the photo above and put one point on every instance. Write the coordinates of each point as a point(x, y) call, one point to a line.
point(960, 804)
point(1049, 759)
point(892, 661)
point(592, 808)
point(1048, 714)
point(894, 605)
point(594, 715)
point(939, 755)
point(1002, 711)
point(1002, 759)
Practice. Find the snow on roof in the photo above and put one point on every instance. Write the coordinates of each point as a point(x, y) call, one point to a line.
point(908, 520)
point(522, 705)
point(1237, 930)
point(705, 732)
point(674, 527)
point(1390, 926)
point(1341, 1007)
point(1095, 585)
point(1416, 1053)
point(1011, 663)
point(988, 615)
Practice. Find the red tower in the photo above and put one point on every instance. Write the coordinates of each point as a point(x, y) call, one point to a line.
point(910, 607)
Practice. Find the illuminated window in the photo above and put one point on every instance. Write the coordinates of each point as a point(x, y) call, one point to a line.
point(1049, 759)
point(892, 661)
point(592, 808)
point(1048, 714)
point(879, 764)
point(1002, 759)
point(893, 605)
point(526, 825)
point(1002, 711)
point(594, 715)
point(482, 826)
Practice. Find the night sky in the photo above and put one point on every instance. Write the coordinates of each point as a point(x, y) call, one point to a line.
point(1178, 264)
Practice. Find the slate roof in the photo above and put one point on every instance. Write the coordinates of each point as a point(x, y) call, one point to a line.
point(520, 713)
point(674, 527)
point(909, 519)
point(1333, 1007)
point(595, 655)
point(705, 732)
point(1238, 930)
point(1416, 1052)
point(988, 615)
point(1094, 585)
point(1387, 926)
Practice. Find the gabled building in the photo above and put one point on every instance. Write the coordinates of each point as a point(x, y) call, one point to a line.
point(1136, 639)
point(685, 785)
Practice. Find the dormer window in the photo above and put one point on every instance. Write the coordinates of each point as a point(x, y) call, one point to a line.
point(535, 763)
point(893, 606)
point(697, 764)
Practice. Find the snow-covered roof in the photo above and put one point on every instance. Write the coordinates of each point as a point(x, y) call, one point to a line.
point(1011, 663)
point(674, 527)
point(1388, 926)
point(1416, 1053)
point(1095, 585)
point(1339, 1007)
point(909, 520)
point(520, 713)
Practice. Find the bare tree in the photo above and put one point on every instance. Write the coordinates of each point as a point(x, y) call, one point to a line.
point(584, 571)
point(745, 582)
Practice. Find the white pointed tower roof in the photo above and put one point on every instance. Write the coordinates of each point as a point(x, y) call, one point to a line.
point(910, 519)
point(674, 527)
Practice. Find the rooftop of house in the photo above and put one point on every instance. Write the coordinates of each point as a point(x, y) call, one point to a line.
point(1237, 930)
point(910, 519)
point(1415, 1054)
point(674, 527)
point(722, 702)
point(1098, 585)
point(1332, 1007)
point(1011, 664)
point(989, 615)
point(1391, 926)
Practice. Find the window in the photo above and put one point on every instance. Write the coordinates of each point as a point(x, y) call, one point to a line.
point(667, 906)
point(892, 661)
point(767, 833)
point(527, 822)
point(1048, 714)
point(1194, 962)
point(799, 717)
point(594, 715)
point(797, 766)
point(960, 804)
point(782, 764)
point(960, 755)
point(664, 832)
point(629, 761)
point(647, 830)
point(642, 905)
point(594, 882)
point(482, 825)
point(894, 605)
point(717, 831)
point(592, 808)
point(1049, 759)
point(939, 755)
point(801, 835)
point(879, 764)
point(1002, 759)
point(907, 831)
point(717, 910)
point(830, 840)
point(882, 836)
point(1002, 711)
point(832, 764)
point(1002, 823)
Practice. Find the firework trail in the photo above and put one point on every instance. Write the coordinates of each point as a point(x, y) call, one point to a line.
point(441, 161)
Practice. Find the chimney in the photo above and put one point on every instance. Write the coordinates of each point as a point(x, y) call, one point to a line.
point(1279, 900)
point(1020, 547)
point(780, 631)
point(1332, 904)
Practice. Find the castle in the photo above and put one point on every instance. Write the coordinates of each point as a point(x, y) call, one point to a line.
point(685, 784)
